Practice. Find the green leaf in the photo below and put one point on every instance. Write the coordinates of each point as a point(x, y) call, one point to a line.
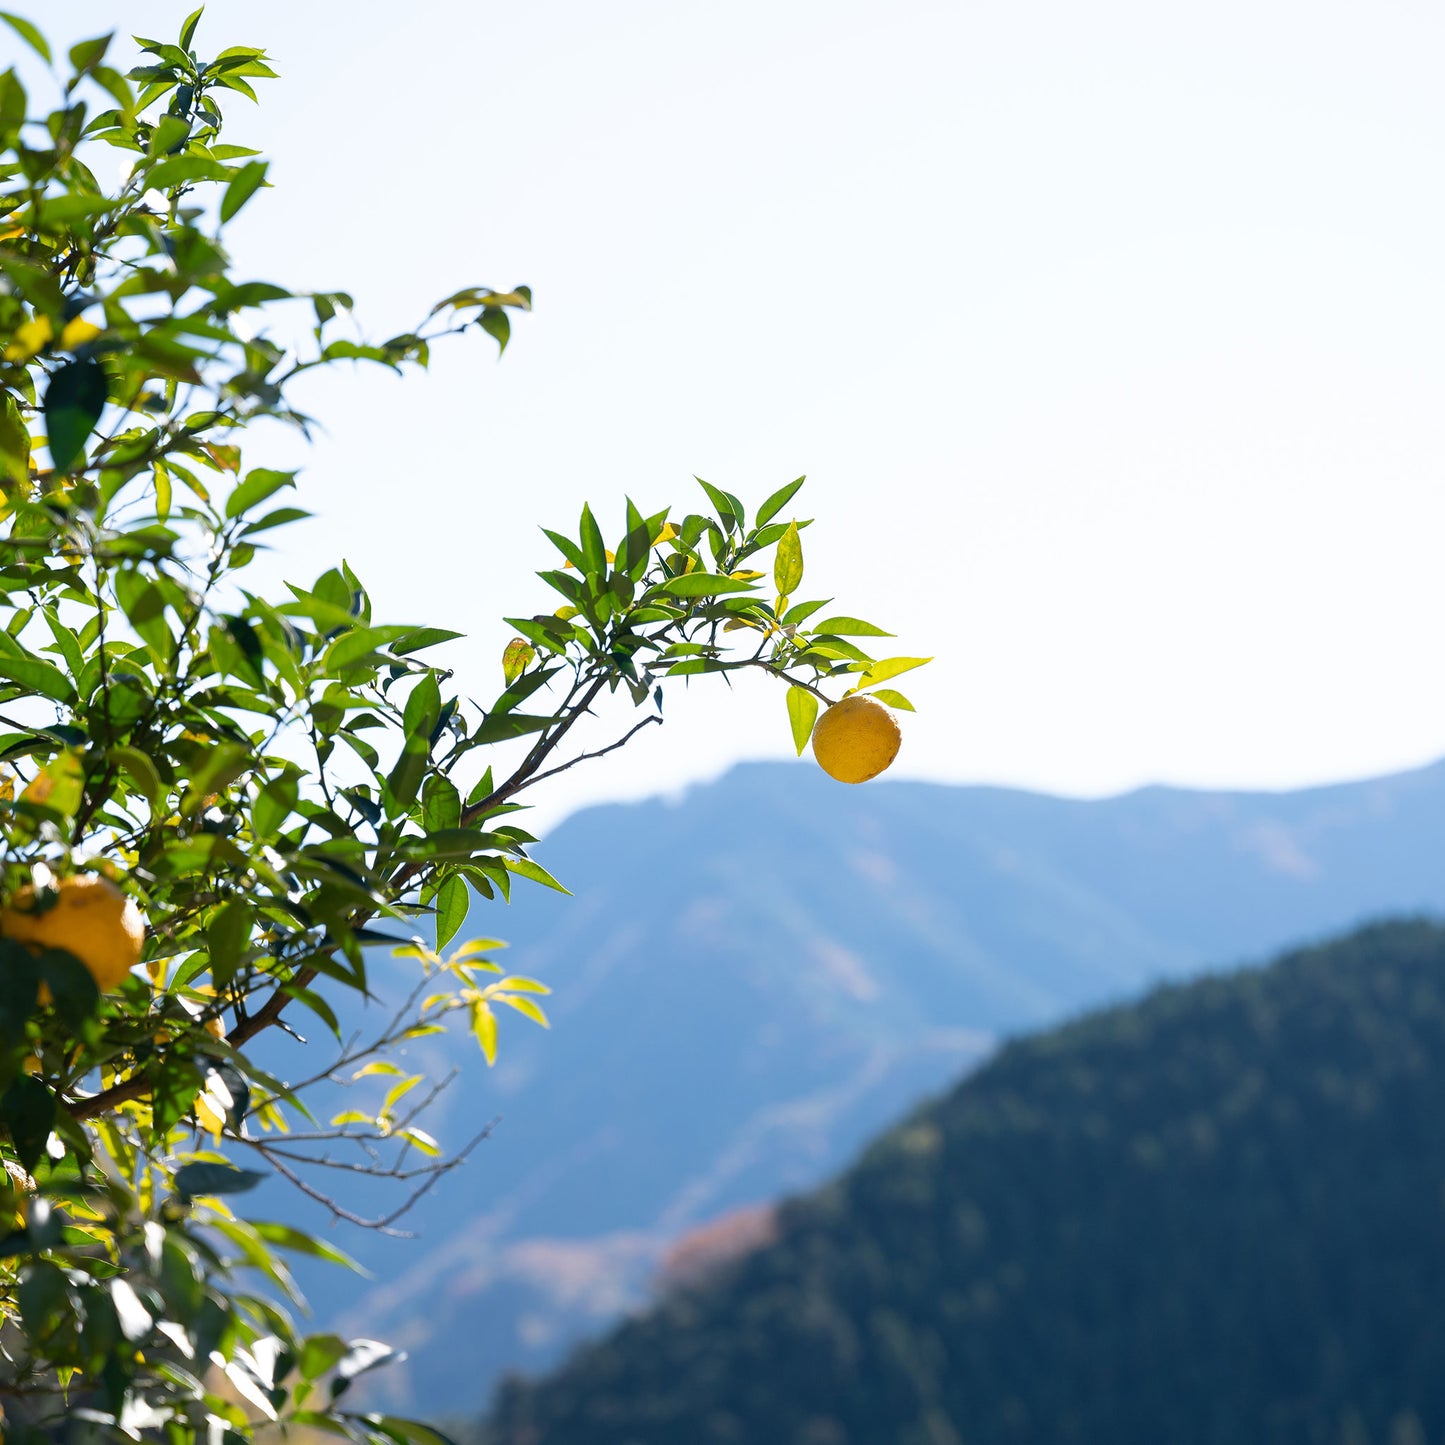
point(594, 550)
point(142, 772)
point(452, 902)
point(29, 34)
point(37, 676)
point(729, 510)
point(802, 714)
point(849, 627)
point(188, 29)
point(495, 323)
point(413, 1432)
point(74, 401)
point(219, 768)
point(244, 184)
point(359, 644)
point(285, 1237)
point(893, 699)
point(72, 985)
point(227, 936)
point(273, 806)
point(14, 443)
point(27, 1110)
point(705, 584)
point(260, 483)
point(319, 1353)
point(777, 502)
point(788, 564)
point(568, 548)
point(200, 1178)
point(526, 868)
point(888, 667)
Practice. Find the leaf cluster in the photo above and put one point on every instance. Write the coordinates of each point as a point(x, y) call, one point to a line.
point(280, 783)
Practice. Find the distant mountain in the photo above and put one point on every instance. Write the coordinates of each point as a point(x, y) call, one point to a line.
point(805, 962)
point(1214, 1217)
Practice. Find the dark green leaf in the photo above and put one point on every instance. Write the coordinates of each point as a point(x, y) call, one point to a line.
point(74, 401)
point(594, 551)
point(205, 1178)
point(27, 1110)
point(72, 985)
point(246, 182)
point(495, 323)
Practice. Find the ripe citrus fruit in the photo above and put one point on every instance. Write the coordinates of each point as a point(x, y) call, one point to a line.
point(91, 918)
point(855, 739)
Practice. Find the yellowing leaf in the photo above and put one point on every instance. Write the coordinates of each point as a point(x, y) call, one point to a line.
point(210, 1113)
point(744, 575)
point(484, 1027)
point(667, 534)
point(527, 1006)
point(58, 785)
point(893, 699)
point(516, 658)
point(889, 667)
point(78, 332)
point(28, 338)
point(802, 714)
point(788, 564)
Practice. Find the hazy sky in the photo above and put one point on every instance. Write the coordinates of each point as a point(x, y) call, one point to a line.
point(1111, 336)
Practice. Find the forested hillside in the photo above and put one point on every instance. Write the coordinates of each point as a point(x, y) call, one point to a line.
point(1214, 1217)
point(743, 1031)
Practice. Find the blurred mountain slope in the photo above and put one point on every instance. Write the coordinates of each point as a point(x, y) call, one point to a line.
point(752, 980)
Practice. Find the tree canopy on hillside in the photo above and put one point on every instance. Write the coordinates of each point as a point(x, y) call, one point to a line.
point(1211, 1217)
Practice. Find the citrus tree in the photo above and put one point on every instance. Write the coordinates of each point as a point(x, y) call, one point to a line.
point(214, 803)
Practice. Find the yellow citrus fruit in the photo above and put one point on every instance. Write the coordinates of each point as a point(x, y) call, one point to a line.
point(91, 918)
point(856, 739)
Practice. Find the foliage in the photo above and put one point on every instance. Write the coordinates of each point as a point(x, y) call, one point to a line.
point(1210, 1217)
point(278, 782)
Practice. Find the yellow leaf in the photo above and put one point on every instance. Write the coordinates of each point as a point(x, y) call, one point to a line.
point(208, 1115)
point(788, 561)
point(744, 575)
point(668, 533)
point(28, 338)
point(484, 1026)
point(78, 332)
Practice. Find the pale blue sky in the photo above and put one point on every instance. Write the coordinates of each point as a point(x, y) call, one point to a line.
point(1109, 335)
